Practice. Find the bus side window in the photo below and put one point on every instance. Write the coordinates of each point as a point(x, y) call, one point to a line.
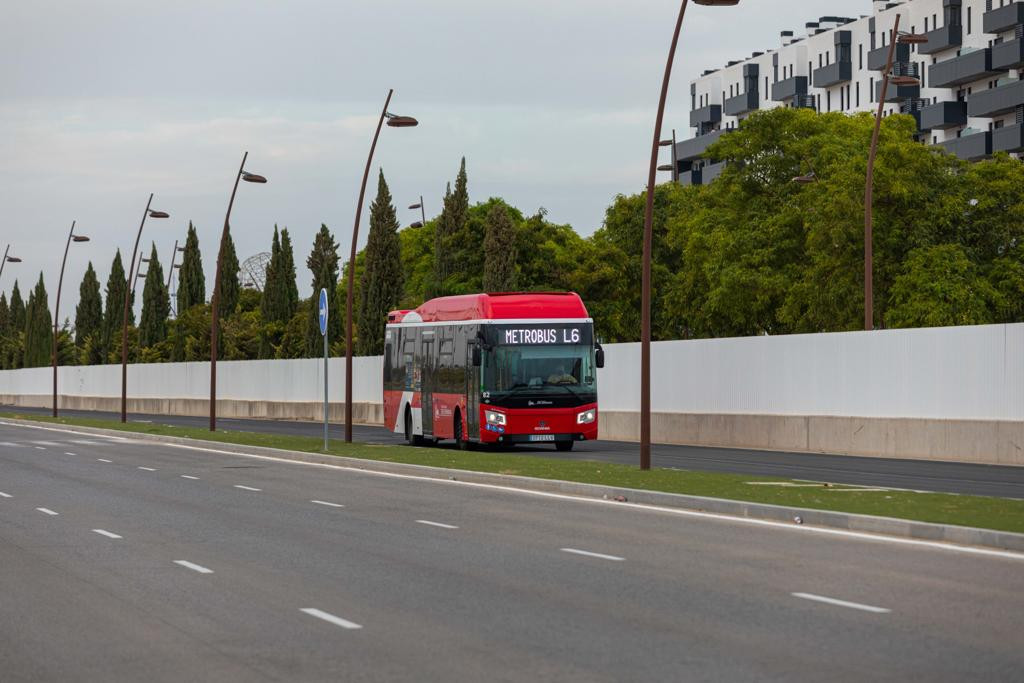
point(388, 370)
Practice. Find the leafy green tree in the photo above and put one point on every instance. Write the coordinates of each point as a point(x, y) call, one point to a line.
point(191, 280)
point(450, 223)
point(1007, 278)
point(294, 341)
point(323, 262)
point(417, 263)
point(156, 304)
point(383, 278)
point(940, 286)
point(113, 315)
point(500, 251)
point(229, 285)
point(38, 329)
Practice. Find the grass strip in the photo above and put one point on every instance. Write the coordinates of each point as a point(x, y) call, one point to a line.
point(1001, 514)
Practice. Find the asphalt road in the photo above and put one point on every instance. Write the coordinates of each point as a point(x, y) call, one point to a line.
point(128, 561)
point(947, 477)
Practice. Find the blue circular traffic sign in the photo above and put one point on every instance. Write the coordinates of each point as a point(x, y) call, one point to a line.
point(323, 311)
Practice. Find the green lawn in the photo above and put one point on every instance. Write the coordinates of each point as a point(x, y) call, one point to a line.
point(976, 511)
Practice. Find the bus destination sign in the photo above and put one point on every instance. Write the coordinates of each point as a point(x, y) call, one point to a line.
point(541, 335)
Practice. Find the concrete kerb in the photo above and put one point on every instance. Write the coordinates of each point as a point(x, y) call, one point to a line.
point(869, 524)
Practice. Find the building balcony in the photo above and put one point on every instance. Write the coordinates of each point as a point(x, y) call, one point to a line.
point(997, 101)
point(1003, 18)
point(789, 88)
point(878, 58)
point(1008, 139)
point(712, 171)
point(945, 38)
point(804, 102)
point(833, 74)
point(894, 93)
point(742, 103)
point(1008, 55)
point(694, 148)
point(967, 68)
point(691, 177)
point(706, 115)
point(970, 147)
point(943, 115)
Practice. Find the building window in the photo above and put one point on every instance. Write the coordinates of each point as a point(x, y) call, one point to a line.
point(828, 100)
point(969, 22)
point(871, 92)
point(858, 93)
point(860, 50)
point(926, 24)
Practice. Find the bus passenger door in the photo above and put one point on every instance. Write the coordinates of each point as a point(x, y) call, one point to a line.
point(427, 384)
point(472, 394)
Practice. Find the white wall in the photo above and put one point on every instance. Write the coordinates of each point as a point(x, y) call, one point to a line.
point(971, 373)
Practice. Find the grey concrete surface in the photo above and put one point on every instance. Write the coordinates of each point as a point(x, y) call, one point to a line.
point(496, 598)
point(948, 477)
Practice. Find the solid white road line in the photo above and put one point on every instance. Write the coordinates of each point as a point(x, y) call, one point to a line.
point(330, 618)
point(600, 556)
point(437, 524)
point(103, 532)
point(841, 603)
point(188, 476)
point(634, 507)
point(103, 460)
point(324, 502)
point(194, 567)
point(4, 495)
point(47, 511)
point(246, 488)
point(148, 469)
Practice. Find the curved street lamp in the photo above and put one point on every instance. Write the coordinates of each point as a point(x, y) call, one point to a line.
point(905, 38)
point(423, 214)
point(393, 121)
point(645, 334)
point(129, 290)
point(215, 301)
point(72, 237)
point(8, 259)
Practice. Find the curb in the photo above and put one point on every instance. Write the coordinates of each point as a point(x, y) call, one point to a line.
point(885, 526)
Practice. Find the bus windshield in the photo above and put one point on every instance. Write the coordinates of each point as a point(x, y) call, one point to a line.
point(546, 370)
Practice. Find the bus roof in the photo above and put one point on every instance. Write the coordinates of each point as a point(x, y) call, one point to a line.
point(505, 306)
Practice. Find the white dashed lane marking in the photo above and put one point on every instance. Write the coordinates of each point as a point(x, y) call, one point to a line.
point(246, 488)
point(188, 476)
point(194, 567)
point(587, 553)
point(324, 502)
point(841, 603)
point(4, 495)
point(330, 618)
point(437, 524)
point(103, 460)
point(104, 532)
point(47, 511)
point(148, 469)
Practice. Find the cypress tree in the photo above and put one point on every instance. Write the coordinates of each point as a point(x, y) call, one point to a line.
point(286, 274)
point(323, 262)
point(156, 304)
point(38, 328)
point(5, 316)
point(114, 312)
point(191, 281)
point(383, 279)
point(229, 285)
point(455, 210)
point(89, 313)
point(500, 250)
point(273, 293)
point(18, 313)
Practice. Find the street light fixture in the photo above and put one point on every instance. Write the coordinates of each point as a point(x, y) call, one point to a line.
point(215, 300)
point(394, 121)
point(72, 237)
point(129, 290)
point(8, 259)
point(645, 334)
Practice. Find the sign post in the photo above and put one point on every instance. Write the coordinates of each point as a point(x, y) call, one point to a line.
point(323, 331)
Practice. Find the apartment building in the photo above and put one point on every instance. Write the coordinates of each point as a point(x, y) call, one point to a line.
point(971, 94)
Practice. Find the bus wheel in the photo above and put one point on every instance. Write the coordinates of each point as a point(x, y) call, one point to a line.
point(460, 440)
point(564, 445)
point(410, 438)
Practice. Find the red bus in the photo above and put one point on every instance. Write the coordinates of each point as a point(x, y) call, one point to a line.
point(497, 369)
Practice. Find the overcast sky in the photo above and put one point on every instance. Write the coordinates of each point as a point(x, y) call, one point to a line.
point(551, 101)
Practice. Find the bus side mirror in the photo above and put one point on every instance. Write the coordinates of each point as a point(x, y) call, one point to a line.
point(477, 357)
point(599, 357)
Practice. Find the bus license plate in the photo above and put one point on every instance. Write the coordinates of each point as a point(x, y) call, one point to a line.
point(542, 437)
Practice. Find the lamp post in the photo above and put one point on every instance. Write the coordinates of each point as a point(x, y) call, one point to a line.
point(8, 259)
point(869, 186)
point(423, 214)
point(215, 301)
point(129, 290)
point(72, 237)
point(645, 334)
point(394, 122)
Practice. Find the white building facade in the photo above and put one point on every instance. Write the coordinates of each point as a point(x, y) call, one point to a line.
point(971, 94)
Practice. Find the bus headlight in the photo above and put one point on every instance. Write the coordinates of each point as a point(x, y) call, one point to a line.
point(494, 418)
point(586, 417)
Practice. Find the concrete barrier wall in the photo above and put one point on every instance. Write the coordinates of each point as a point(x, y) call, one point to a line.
point(954, 393)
